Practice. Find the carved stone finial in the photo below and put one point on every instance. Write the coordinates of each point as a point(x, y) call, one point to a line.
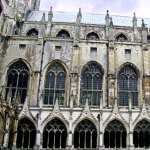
point(79, 13)
point(86, 108)
point(50, 14)
point(134, 21)
point(43, 18)
point(115, 109)
point(51, 9)
point(143, 24)
point(25, 110)
point(79, 16)
point(111, 22)
point(107, 13)
point(107, 18)
point(56, 106)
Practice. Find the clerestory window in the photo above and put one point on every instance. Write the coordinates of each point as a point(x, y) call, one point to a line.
point(128, 86)
point(17, 82)
point(91, 84)
point(55, 84)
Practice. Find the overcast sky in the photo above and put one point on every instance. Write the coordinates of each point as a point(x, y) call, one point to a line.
point(119, 7)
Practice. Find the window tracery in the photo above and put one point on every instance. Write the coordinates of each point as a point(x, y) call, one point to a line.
point(121, 38)
point(32, 33)
point(92, 36)
point(85, 135)
point(26, 134)
point(115, 135)
point(63, 34)
point(141, 135)
point(55, 135)
point(17, 81)
point(128, 86)
point(91, 84)
point(55, 85)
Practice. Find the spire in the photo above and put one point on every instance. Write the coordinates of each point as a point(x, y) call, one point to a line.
point(111, 22)
point(79, 16)
point(50, 14)
point(134, 21)
point(107, 14)
point(43, 18)
point(143, 24)
point(107, 18)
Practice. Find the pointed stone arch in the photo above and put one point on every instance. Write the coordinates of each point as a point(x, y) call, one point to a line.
point(55, 134)
point(55, 83)
point(121, 37)
point(32, 33)
point(18, 76)
point(26, 133)
point(85, 135)
point(92, 36)
point(128, 84)
point(141, 134)
point(115, 135)
point(63, 34)
point(91, 83)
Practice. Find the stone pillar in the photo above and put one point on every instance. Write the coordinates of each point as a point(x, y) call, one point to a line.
point(6, 136)
point(75, 75)
point(146, 87)
point(15, 134)
point(70, 134)
point(111, 74)
point(131, 146)
point(100, 133)
point(146, 77)
point(38, 144)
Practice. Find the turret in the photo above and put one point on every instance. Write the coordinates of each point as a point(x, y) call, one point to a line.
point(49, 23)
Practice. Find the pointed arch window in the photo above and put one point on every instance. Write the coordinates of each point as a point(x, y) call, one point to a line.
point(55, 84)
point(92, 36)
point(63, 34)
point(121, 38)
point(32, 33)
point(91, 84)
point(141, 135)
point(115, 135)
point(55, 134)
point(85, 135)
point(17, 81)
point(26, 134)
point(128, 86)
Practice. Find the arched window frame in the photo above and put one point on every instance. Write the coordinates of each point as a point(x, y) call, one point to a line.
point(90, 91)
point(121, 37)
point(130, 94)
point(142, 141)
point(33, 33)
point(81, 136)
point(63, 34)
point(17, 93)
point(48, 90)
point(113, 130)
point(52, 129)
point(26, 134)
point(92, 36)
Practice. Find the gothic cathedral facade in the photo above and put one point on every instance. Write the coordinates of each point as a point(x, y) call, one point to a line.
point(73, 81)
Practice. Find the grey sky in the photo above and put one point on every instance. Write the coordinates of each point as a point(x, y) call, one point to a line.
point(119, 7)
